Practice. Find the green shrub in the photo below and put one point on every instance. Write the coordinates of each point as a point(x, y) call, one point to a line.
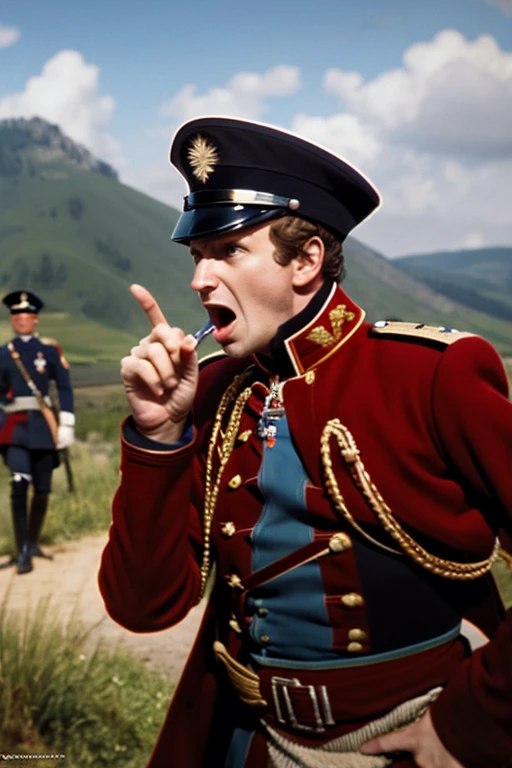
point(98, 707)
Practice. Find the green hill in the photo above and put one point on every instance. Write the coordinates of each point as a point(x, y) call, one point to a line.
point(70, 231)
point(480, 278)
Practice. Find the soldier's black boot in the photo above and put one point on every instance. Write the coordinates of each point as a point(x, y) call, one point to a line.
point(35, 524)
point(24, 559)
point(19, 519)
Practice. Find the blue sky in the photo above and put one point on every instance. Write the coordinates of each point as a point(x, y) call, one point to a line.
point(417, 94)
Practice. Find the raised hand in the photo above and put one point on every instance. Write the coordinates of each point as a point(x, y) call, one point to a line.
point(160, 375)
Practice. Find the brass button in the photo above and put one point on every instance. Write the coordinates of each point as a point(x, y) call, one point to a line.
point(310, 377)
point(339, 543)
point(235, 482)
point(264, 639)
point(354, 647)
point(357, 634)
point(352, 600)
point(228, 530)
point(262, 611)
point(244, 436)
point(234, 581)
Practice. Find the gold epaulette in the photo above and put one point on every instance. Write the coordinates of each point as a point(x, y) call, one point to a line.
point(48, 340)
point(212, 358)
point(440, 334)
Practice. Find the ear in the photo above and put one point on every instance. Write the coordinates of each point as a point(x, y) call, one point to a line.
point(308, 266)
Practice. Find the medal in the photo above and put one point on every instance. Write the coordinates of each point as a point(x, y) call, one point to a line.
point(40, 363)
point(273, 410)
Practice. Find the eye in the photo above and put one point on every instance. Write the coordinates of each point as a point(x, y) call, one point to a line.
point(233, 248)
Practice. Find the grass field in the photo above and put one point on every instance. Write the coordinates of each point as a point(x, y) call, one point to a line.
point(101, 708)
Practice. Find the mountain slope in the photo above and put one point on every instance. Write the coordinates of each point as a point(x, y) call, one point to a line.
point(386, 292)
point(70, 231)
point(80, 238)
point(480, 278)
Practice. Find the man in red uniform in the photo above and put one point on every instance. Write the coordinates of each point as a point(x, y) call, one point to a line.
point(349, 482)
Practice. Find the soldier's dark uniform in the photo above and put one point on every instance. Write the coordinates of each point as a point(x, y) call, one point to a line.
point(349, 487)
point(26, 440)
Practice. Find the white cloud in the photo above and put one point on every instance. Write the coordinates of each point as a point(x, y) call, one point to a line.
point(429, 205)
point(345, 135)
point(8, 36)
point(473, 240)
point(243, 96)
point(436, 138)
point(451, 95)
point(67, 93)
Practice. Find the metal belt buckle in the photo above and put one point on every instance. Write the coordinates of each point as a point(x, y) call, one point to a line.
point(319, 702)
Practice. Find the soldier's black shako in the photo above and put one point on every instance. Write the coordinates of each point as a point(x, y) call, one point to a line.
point(23, 301)
point(242, 173)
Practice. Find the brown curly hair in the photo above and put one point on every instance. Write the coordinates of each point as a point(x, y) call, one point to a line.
point(289, 234)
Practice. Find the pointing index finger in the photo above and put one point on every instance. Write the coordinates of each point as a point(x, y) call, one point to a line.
point(148, 304)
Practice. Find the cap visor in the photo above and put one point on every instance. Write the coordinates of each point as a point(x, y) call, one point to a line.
point(215, 220)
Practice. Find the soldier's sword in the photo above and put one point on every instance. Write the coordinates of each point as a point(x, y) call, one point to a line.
point(64, 455)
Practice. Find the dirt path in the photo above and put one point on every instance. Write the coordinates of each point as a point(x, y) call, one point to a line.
point(69, 580)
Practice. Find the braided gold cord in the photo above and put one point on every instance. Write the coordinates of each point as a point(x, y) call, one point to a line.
point(224, 451)
point(446, 568)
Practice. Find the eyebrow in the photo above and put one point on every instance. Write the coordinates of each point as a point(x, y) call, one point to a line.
point(235, 239)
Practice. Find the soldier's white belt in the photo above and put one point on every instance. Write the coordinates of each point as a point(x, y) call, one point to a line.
point(24, 403)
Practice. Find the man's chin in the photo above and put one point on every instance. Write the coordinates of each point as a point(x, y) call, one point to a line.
point(234, 349)
point(239, 349)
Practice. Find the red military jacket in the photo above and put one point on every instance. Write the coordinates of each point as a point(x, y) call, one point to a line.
point(432, 425)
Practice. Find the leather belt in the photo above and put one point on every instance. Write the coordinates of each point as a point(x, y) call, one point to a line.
point(312, 701)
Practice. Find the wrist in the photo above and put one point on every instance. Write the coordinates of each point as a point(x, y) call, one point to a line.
point(168, 432)
point(66, 419)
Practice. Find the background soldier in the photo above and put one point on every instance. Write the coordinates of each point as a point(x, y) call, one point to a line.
point(31, 434)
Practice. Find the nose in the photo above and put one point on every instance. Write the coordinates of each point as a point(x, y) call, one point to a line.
point(204, 278)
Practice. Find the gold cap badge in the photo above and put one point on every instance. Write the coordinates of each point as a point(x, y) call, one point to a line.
point(203, 158)
point(24, 302)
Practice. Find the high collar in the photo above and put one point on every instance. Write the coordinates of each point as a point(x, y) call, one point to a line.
point(329, 320)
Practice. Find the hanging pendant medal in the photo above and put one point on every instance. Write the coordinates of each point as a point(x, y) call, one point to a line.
point(271, 435)
point(273, 410)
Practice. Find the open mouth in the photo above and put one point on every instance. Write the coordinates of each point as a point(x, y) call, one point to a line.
point(221, 317)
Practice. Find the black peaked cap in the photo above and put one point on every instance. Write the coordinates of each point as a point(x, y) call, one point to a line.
point(23, 301)
point(241, 173)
